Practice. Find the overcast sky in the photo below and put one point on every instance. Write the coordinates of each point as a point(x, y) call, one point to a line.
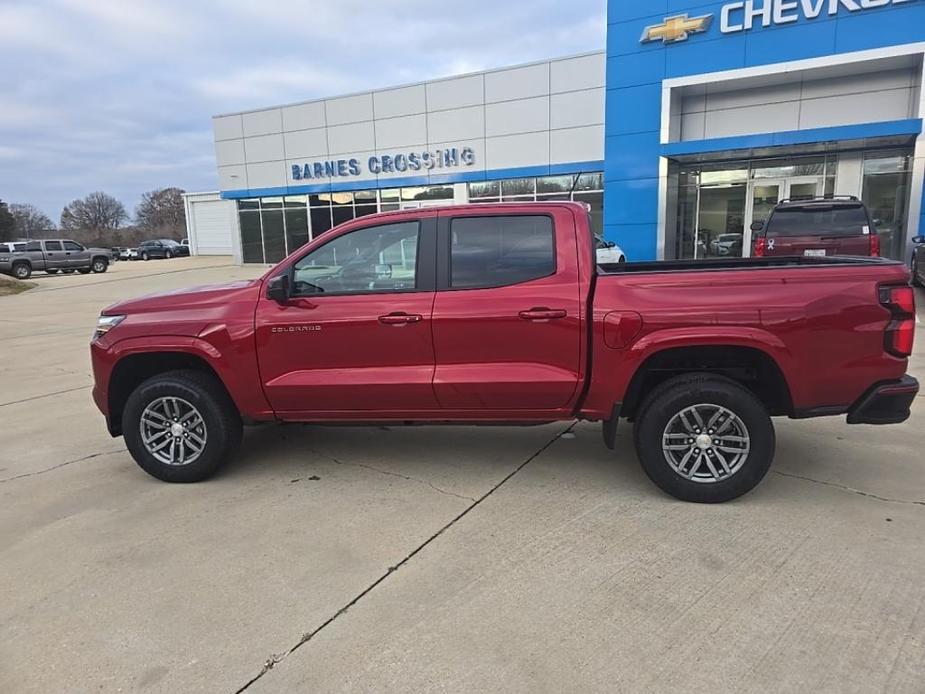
point(117, 95)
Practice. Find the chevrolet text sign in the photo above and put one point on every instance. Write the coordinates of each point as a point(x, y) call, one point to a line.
point(748, 14)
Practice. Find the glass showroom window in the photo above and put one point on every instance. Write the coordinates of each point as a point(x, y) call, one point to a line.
point(272, 228)
point(887, 179)
point(588, 188)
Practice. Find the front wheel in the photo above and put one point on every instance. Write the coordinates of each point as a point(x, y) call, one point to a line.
point(99, 265)
point(704, 438)
point(181, 426)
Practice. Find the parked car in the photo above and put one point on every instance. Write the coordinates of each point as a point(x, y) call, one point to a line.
point(918, 261)
point(499, 314)
point(838, 225)
point(55, 255)
point(608, 251)
point(159, 248)
point(12, 246)
point(122, 253)
point(727, 244)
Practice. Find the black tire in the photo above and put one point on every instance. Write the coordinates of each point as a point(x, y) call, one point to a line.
point(222, 424)
point(99, 265)
point(84, 271)
point(144, 256)
point(168, 255)
point(22, 271)
point(53, 271)
point(681, 392)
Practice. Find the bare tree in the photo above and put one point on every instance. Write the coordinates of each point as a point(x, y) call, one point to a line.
point(98, 211)
point(7, 223)
point(31, 222)
point(162, 211)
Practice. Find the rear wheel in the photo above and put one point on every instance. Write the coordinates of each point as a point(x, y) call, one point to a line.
point(168, 255)
point(22, 271)
point(704, 438)
point(99, 265)
point(181, 426)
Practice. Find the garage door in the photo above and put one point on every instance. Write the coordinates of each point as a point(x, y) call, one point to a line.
point(213, 225)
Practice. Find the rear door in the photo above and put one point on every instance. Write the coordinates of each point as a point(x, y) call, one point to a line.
point(54, 256)
point(507, 324)
point(354, 340)
point(818, 229)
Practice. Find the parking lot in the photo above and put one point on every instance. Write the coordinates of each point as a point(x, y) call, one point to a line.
point(444, 559)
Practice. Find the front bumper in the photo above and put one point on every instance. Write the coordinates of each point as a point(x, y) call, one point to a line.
point(885, 403)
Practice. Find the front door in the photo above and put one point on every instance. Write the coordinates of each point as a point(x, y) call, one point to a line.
point(77, 256)
point(507, 319)
point(354, 340)
point(764, 194)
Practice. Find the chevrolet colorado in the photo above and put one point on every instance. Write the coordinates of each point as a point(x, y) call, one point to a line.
point(499, 313)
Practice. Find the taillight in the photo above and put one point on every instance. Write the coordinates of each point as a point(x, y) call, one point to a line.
point(874, 245)
point(900, 333)
point(761, 246)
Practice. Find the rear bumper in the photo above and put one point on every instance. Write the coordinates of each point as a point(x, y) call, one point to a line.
point(885, 403)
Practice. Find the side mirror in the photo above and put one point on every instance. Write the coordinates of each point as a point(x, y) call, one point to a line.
point(758, 225)
point(918, 239)
point(278, 289)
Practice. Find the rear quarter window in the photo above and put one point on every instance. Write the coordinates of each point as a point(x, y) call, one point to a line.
point(832, 220)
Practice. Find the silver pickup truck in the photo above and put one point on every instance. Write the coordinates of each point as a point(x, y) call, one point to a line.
point(54, 255)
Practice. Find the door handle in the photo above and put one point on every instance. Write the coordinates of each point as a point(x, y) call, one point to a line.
point(543, 313)
point(400, 318)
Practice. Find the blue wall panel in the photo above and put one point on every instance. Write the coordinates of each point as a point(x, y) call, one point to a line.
point(635, 72)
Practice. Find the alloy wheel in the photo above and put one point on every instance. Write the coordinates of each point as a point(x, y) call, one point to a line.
point(706, 443)
point(173, 431)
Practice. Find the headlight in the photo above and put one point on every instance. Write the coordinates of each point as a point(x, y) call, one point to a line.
point(106, 323)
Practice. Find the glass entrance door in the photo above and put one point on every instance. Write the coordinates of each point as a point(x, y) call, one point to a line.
point(765, 193)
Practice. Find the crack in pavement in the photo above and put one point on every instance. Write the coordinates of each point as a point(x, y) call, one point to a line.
point(275, 660)
point(846, 488)
point(59, 465)
point(46, 395)
point(391, 474)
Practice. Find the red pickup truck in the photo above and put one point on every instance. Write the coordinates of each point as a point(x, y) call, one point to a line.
point(489, 314)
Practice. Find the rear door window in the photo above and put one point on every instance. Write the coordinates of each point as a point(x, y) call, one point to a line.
point(52, 245)
point(497, 251)
point(819, 220)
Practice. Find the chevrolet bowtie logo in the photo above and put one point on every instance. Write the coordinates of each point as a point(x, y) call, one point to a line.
point(677, 28)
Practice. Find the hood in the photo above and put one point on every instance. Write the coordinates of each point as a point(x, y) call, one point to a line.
point(202, 299)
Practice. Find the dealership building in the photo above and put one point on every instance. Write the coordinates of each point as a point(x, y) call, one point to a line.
point(695, 121)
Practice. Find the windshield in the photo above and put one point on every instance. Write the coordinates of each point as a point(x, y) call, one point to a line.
point(819, 220)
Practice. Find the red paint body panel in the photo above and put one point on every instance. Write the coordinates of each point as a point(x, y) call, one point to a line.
point(473, 356)
point(490, 356)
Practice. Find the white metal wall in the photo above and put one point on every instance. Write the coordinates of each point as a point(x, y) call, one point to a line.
point(211, 224)
point(799, 102)
point(540, 114)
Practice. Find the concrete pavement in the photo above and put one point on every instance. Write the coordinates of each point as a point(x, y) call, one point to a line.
point(434, 559)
